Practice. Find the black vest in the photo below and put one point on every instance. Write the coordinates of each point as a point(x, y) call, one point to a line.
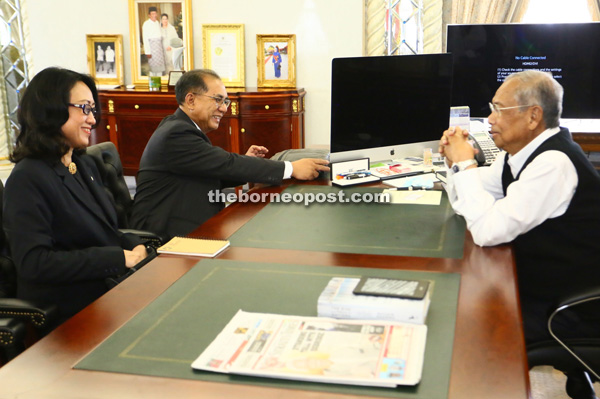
point(563, 253)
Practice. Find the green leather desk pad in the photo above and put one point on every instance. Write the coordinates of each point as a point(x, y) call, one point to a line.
point(366, 228)
point(164, 338)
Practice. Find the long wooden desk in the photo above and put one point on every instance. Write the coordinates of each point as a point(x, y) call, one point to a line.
point(488, 360)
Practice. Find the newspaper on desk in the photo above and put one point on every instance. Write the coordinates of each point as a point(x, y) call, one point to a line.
point(355, 352)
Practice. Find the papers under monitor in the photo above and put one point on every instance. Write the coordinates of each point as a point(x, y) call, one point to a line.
point(415, 197)
point(425, 180)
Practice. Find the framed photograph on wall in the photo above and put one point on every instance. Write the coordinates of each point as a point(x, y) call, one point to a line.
point(161, 38)
point(223, 52)
point(174, 78)
point(105, 58)
point(276, 60)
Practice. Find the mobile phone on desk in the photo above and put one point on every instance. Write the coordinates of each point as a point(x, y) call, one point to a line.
point(391, 287)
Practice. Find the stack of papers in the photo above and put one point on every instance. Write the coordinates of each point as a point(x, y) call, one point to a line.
point(338, 300)
point(425, 181)
point(413, 197)
point(399, 170)
point(414, 190)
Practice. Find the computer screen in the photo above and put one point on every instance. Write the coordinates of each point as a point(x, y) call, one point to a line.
point(484, 54)
point(388, 102)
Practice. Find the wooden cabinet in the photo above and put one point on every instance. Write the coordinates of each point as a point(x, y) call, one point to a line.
point(273, 118)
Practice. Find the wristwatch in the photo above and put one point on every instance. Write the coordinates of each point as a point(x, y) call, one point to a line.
point(462, 165)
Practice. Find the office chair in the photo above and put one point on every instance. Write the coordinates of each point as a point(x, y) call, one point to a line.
point(577, 358)
point(16, 315)
point(12, 331)
point(108, 162)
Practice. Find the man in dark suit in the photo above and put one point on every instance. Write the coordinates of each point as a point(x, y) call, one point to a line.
point(180, 170)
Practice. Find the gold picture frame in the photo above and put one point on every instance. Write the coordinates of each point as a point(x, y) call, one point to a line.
point(174, 77)
point(223, 52)
point(176, 39)
point(105, 59)
point(279, 52)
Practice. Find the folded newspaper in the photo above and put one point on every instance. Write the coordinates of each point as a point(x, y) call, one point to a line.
point(354, 352)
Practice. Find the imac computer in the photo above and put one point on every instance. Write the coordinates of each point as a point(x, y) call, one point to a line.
point(484, 54)
point(389, 107)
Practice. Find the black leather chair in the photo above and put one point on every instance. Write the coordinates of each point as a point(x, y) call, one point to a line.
point(577, 358)
point(17, 315)
point(108, 162)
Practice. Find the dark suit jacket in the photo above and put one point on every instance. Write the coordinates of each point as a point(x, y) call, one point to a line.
point(63, 239)
point(178, 170)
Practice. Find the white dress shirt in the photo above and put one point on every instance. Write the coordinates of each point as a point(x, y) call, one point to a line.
point(544, 191)
point(150, 30)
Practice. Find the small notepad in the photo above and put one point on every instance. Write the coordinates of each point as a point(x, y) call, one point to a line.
point(193, 247)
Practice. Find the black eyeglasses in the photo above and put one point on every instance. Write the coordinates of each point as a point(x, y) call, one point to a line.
point(86, 108)
point(218, 99)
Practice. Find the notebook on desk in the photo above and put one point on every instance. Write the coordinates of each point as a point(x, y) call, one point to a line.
point(193, 247)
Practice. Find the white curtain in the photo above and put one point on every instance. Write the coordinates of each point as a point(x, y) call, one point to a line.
point(433, 26)
point(482, 11)
point(374, 27)
point(487, 11)
point(594, 6)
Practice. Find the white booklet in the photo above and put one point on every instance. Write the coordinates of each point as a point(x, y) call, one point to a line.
point(355, 352)
point(339, 301)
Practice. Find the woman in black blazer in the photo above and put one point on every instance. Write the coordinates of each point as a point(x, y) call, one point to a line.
point(60, 224)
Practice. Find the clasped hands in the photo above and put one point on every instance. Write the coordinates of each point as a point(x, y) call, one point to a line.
point(455, 146)
point(135, 256)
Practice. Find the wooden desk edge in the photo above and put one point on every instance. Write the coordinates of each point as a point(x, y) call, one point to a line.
point(49, 363)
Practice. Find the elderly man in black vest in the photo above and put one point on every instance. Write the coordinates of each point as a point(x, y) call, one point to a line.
point(542, 195)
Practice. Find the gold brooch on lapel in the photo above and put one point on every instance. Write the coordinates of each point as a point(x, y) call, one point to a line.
point(72, 168)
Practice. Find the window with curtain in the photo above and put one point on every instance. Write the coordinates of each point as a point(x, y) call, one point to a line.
point(13, 70)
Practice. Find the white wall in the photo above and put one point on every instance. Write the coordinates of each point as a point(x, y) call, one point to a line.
point(324, 29)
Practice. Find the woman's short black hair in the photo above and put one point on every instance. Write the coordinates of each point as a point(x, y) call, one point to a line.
point(44, 109)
